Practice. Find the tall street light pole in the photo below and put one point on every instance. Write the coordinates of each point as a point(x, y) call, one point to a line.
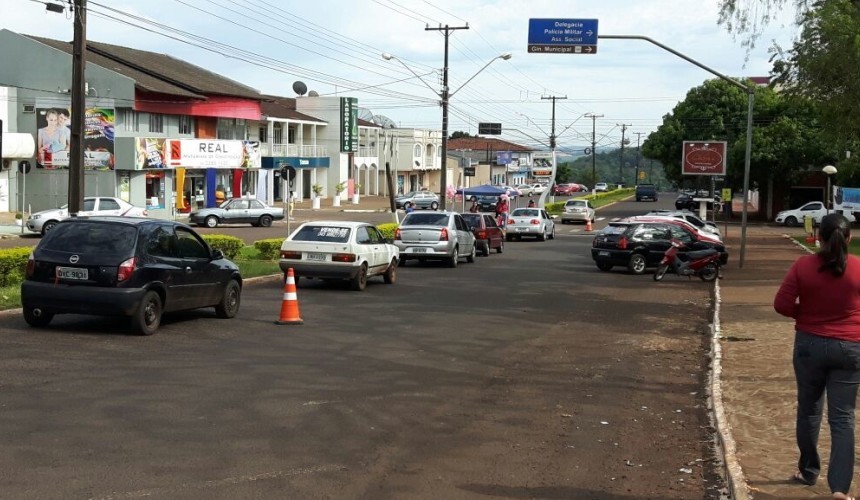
point(830, 170)
point(552, 145)
point(76, 160)
point(593, 147)
point(445, 95)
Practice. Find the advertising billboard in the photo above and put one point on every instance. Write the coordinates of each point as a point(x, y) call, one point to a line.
point(704, 158)
point(54, 137)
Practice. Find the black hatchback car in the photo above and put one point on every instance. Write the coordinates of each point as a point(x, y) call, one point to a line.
point(639, 245)
point(115, 266)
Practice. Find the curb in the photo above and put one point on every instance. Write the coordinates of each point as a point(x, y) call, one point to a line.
point(737, 484)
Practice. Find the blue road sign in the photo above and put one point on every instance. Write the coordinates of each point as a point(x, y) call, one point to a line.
point(563, 36)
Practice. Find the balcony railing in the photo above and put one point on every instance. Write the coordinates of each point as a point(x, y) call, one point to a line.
point(267, 149)
point(367, 151)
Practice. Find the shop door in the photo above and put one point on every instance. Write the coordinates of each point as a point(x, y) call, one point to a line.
point(306, 183)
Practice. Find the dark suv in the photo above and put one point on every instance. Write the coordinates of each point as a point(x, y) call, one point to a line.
point(639, 245)
point(646, 192)
point(114, 266)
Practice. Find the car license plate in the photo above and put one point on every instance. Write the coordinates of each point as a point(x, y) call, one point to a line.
point(522, 229)
point(72, 273)
point(417, 250)
point(603, 254)
point(321, 257)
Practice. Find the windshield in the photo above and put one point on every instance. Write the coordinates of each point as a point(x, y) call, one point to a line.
point(410, 194)
point(426, 219)
point(315, 232)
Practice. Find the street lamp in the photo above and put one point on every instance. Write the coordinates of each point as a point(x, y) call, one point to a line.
point(445, 95)
point(829, 170)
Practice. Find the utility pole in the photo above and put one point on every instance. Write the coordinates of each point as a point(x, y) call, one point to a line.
point(76, 160)
point(638, 136)
point(443, 179)
point(593, 147)
point(621, 156)
point(552, 149)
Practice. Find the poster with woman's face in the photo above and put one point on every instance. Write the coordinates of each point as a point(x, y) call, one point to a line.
point(54, 137)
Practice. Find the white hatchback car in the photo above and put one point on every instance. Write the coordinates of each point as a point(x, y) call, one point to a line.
point(42, 222)
point(339, 250)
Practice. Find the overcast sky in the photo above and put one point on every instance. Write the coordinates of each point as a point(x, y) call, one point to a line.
point(335, 47)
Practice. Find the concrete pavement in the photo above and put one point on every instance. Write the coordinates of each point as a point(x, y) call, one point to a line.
point(752, 387)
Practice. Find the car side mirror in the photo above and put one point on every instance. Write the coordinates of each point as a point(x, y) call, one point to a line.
point(217, 254)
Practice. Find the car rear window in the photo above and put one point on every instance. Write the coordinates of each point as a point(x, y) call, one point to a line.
point(575, 203)
point(614, 229)
point(431, 219)
point(90, 237)
point(473, 219)
point(525, 212)
point(315, 232)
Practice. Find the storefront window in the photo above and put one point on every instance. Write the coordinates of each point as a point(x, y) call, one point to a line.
point(249, 182)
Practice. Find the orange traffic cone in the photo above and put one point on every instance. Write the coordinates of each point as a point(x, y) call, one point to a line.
point(588, 225)
point(290, 304)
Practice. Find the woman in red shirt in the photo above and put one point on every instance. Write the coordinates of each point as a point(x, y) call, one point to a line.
point(822, 293)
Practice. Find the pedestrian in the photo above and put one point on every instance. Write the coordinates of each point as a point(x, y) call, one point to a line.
point(822, 293)
point(474, 208)
point(502, 211)
point(531, 203)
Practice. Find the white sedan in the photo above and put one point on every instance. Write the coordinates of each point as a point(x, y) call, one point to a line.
point(340, 250)
point(44, 221)
point(530, 222)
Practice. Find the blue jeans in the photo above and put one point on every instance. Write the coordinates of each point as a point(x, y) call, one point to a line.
point(826, 364)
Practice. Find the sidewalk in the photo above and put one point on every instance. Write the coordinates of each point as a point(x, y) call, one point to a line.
point(757, 380)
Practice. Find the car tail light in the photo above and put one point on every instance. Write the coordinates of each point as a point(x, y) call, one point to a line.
point(343, 257)
point(288, 254)
point(443, 234)
point(534, 222)
point(511, 222)
point(622, 243)
point(125, 269)
point(482, 234)
point(397, 234)
point(31, 265)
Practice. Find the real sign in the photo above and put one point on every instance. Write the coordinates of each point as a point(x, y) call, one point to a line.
point(563, 36)
point(704, 158)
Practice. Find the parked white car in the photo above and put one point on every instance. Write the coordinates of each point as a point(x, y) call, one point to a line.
point(339, 250)
point(44, 221)
point(531, 189)
point(814, 209)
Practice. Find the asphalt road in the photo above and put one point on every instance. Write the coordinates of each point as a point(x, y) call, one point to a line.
point(528, 374)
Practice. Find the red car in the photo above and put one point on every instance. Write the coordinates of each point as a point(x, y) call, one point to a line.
point(565, 189)
point(488, 234)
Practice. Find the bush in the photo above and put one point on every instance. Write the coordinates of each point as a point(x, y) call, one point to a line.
point(13, 265)
point(270, 249)
point(229, 245)
point(555, 208)
point(387, 230)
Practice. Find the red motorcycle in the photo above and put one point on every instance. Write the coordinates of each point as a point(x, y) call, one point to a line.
point(702, 263)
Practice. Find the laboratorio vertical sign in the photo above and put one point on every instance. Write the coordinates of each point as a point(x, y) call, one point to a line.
point(348, 124)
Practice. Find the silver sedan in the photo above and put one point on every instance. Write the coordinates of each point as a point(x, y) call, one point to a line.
point(530, 222)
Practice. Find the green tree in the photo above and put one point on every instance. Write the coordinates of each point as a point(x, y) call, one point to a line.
point(786, 134)
point(459, 134)
point(563, 173)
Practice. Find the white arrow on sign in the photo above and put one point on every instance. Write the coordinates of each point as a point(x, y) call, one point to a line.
point(589, 32)
point(588, 49)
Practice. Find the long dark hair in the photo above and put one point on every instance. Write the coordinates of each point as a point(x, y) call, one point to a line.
point(833, 233)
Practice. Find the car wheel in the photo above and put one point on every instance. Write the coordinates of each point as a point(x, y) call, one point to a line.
point(542, 235)
point(501, 247)
point(402, 262)
point(455, 258)
point(471, 257)
point(552, 233)
point(434, 206)
point(485, 249)
point(47, 226)
point(604, 266)
point(266, 220)
point(211, 221)
point(660, 272)
point(147, 318)
point(790, 221)
point(509, 238)
point(637, 264)
point(229, 305)
point(390, 275)
point(359, 283)
point(37, 320)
